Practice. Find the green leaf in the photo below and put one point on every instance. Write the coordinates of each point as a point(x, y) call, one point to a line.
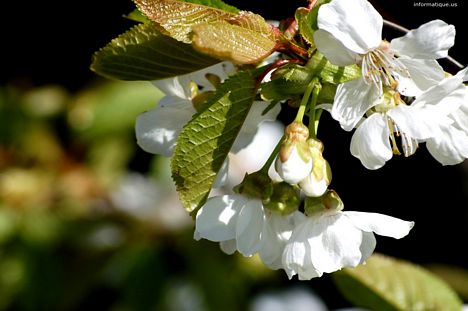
point(218, 4)
point(143, 53)
point(307, 22)
point(205, 141)
point(137, 16)
point(233, 42)
point(388, 284)
point(177, 18)
point(330, 73)
point(456, 277)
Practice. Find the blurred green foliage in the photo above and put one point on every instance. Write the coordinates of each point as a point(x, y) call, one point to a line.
point(81, 228)
point(88, 221)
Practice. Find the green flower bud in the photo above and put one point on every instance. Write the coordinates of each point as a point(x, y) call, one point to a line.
point(294, 161)
point(256, 185)
point(285, 199)
point(330, 202)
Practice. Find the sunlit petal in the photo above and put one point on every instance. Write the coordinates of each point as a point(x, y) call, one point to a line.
point(352, 100)
point(370, 143)
point(355, 23)
point(380, 224)
point(216, 220)
point(157, 130)
point(430, 41)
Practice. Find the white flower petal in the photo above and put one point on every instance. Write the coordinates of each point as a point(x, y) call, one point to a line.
point(334, 50)
point(423, 75)
point(460, 117)
point(216, 220)
point(172, 87)
point(430, 41)
point(276, 233)
point(450, 147)
point(222, 176)
point(367, 245)
point(355, 23)
point(380, 224)
point(294, 169)
point(228, 246)
point(180, 86)
point(293, 258)
point(271, 250)
point(252, 122)
point(370, 143)
point(445, 97)
point(157, 130)
point(335, 243)
point(297, 255)
point(249, 227)
point(352, 100)
point(463, 74)
point(413, 121)
point(313, 187)
point(223, 70)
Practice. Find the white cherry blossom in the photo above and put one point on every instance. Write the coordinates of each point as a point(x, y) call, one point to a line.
point(450, 145)
point(243, 224)
point(350, 31)
point(329, 241)
point(436, 117)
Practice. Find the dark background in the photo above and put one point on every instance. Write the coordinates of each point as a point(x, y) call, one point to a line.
point(52, 43)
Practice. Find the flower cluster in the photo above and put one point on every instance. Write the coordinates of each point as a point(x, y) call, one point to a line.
point(393, 93)
point(403, 90)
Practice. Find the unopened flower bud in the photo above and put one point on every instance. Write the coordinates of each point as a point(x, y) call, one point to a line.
point(316, 183)
point(285, 199)
point(294, 161)
point(330, 202)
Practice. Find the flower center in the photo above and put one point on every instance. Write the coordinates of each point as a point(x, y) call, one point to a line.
point(379, 67)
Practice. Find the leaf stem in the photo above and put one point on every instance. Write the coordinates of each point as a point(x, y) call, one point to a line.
point(304, 101)
point(272, 157)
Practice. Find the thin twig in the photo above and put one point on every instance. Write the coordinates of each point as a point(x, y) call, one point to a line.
point(405, 30)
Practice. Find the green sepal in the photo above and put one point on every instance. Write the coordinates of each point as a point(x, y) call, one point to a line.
point(256, 185)
point(327, 93)
point(329, 202)
point(327, 72)
point(284, 199)
point(143, 53)
point(388, 284)
point(288, 81)
point(206, 140)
